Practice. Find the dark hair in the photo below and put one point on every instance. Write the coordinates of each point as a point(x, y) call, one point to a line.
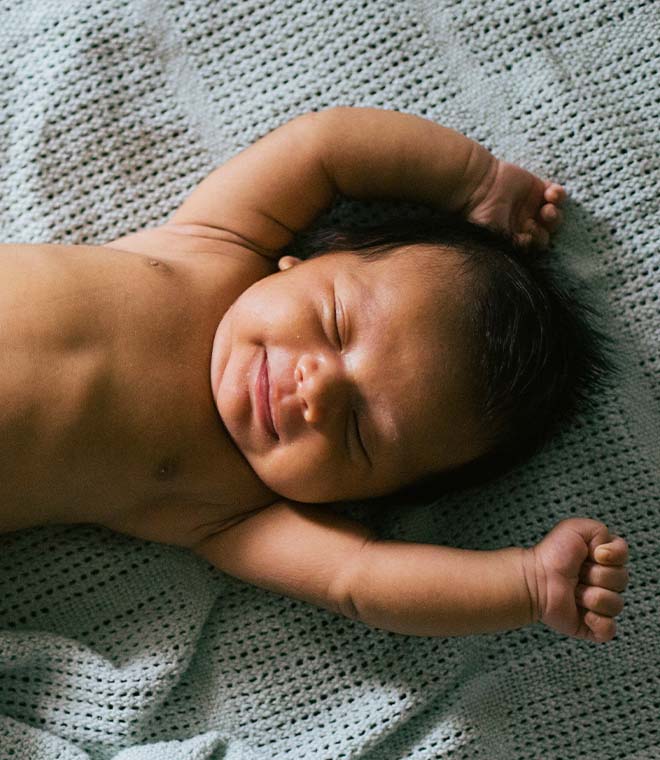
point(535, 350)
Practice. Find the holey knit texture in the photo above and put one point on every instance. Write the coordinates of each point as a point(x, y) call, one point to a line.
point(111, 647)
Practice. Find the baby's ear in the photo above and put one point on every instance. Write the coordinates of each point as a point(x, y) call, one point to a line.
point(286, 262)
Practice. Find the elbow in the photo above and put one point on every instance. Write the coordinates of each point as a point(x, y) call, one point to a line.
point(316, 120)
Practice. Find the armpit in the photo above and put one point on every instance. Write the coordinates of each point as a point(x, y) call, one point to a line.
point(183, 238)
point(216, 235)
point(177, 521)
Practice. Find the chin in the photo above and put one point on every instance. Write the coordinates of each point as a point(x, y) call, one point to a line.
point(295, 493)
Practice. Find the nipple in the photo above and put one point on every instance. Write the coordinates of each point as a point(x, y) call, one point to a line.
point(167, 469)
point(161, 265)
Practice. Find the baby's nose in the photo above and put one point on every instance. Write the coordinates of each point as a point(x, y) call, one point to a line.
point(321, 385)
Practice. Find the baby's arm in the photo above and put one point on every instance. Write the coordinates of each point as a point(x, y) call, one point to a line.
point(279, 185)
point(312, 554)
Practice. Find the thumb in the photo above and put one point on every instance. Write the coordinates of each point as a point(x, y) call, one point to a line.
point(593, 532)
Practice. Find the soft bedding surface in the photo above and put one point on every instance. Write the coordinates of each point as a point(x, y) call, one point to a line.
point(110, 112)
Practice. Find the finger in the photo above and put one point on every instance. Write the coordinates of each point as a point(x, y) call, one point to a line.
point(600, 600)
point(612, 552)
point(549, 212)
point(523, 238)
point(534, 233)
point(554, 193)
point(551, 216)
point(538, 234)
point(602, 628)
point(613, 578)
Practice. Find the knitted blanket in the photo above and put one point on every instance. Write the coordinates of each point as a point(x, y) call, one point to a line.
point(110, 647)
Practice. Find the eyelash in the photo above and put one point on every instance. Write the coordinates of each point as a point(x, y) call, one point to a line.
point(339, 341)
point(358, 436)
point(355, 416)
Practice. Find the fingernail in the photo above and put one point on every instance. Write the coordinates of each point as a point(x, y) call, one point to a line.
point(605, 554)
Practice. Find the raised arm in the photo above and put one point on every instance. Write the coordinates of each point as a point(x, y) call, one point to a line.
point(281, 183)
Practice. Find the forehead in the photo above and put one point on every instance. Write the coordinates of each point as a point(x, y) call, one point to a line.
point(417, 285)
point(418, 291)
point(415, 276)
point(407, 320)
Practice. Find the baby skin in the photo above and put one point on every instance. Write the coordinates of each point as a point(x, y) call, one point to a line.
point(188, 384)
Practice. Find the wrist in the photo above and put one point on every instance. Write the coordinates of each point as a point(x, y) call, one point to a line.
point(530, 575)
point(478, 178)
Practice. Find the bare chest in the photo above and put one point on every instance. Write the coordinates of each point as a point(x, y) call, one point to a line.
point(107, 411)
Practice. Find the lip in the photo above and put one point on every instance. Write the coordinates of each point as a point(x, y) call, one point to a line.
point(262, 398)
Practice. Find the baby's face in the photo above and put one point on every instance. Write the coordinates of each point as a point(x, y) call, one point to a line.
point(359, 365)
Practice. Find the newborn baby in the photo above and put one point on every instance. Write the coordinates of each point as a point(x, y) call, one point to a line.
point(173, 385)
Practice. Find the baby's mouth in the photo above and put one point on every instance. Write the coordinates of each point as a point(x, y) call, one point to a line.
point(263, 398)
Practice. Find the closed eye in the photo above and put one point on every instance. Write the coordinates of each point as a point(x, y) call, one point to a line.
point(359, 437)
point(339, 317)
point(337, 330)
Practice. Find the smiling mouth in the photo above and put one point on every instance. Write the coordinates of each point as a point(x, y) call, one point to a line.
point(263, 399)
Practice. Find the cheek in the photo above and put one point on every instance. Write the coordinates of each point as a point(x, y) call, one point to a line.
point(308, 468)
point(269, 314)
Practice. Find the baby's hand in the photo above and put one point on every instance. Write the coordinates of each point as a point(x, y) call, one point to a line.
point(579, 575)
point(518, 203)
